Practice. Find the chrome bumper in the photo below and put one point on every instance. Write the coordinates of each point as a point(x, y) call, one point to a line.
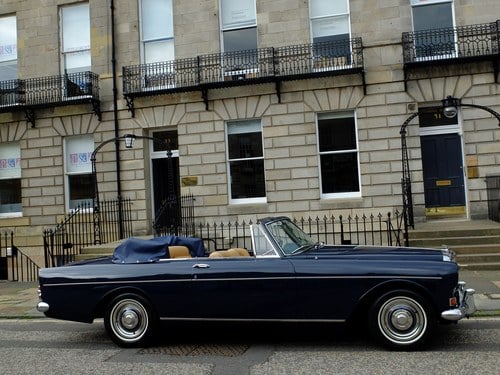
point(466, 306)
point(42, 306)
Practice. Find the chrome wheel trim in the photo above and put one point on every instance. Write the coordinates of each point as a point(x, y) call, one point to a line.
point(402, 320)
point(129, 320)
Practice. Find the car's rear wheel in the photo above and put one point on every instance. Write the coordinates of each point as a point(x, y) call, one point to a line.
point(401, 319)
point(129, 320)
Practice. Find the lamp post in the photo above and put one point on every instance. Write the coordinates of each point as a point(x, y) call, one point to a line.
point(450, 107)
point(129, 143)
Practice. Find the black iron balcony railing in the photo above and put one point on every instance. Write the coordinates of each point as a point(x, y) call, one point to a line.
point(228, 69)
point(453, 45)
point(43, 92)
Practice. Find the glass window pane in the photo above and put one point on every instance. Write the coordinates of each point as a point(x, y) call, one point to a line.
point(10, 161)
point(157, 19)
point(339, 173)
point(238, 13)
point(76, 27)
point(81, 189)
point(8, 39)
point(158, 51)
point(77, 62)
point(247, 179)
point(321, 8)
point(330, 26)
point(337, 134)
point(10, 196)
point(167, 136)
point(8, 70)
point(78, 152)
point(434, 16)
point(242, 146)
point(240, 40)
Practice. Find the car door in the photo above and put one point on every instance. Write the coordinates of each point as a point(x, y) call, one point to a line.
point(327, 287)
point(245, 288)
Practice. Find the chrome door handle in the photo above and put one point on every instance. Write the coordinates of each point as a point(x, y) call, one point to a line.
point(201, 265)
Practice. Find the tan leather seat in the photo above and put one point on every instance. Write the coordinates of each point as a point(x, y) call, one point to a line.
point(240, 251)
point(234, 252)
point(179, 252)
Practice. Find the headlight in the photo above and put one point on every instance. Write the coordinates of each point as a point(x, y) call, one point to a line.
point(448, 255)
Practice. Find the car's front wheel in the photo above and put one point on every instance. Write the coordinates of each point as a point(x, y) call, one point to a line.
point(401, 319)
point(129, 320)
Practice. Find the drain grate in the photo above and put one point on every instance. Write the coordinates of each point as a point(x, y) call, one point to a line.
point(224, 350)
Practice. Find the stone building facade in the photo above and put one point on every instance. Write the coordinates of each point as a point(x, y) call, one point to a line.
point(297, 165)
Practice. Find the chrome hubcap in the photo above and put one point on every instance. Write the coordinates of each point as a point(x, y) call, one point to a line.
point(402, 319)
point(129, 319)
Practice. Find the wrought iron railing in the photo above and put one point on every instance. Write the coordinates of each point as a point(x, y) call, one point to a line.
point(42, 92)
point(493, 194)
point(243, 67)
point(174, 214)
point(383, 230)
point(462, 42)
point(14, 264)
point(76, 230)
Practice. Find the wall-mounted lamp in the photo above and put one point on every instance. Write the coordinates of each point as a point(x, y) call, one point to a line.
point(129, 140)
point(451, 104)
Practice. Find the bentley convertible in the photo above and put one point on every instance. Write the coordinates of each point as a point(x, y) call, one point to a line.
point(400, 293)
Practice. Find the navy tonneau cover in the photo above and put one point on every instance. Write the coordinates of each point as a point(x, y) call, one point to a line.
point(136, 250)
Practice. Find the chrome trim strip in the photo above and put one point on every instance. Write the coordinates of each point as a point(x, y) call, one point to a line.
point(388, 277)
point(255, 320)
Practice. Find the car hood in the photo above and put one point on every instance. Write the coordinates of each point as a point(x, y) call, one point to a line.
point(386, 252)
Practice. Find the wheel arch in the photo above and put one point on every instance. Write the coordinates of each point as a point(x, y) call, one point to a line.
point(110, 295)
point(369, 298)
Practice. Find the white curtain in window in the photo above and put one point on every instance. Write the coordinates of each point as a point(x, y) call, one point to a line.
point(157, 19)
point(8, 39)
point(78, 152)
point(238, 13)
point(76, 28)
point(323, 8)
point(242, 127)
point(330, 26)
point(10, 160)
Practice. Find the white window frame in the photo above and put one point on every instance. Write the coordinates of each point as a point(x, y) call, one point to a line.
point(418, 3)
point(317, 63)
point(332, 115)
point(234, 27)
point(155, 77)
point(83, 49)
point(228, 165)
point(82, 170)
point(8, 43)
point(6, 161)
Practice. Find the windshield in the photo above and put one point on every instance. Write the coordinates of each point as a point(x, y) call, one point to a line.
point(289, 237)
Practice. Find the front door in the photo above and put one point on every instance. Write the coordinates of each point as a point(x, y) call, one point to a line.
point(165, 180)
point(443, 174)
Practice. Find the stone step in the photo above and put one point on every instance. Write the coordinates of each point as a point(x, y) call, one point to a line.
point(478, 258)
point(476, 249)
point(446, 233)
point(490, 266)
point(454, 241)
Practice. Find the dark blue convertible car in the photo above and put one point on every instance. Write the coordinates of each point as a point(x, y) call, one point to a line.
point(401, 293)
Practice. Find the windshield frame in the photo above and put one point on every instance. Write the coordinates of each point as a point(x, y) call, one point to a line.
point(287, 237)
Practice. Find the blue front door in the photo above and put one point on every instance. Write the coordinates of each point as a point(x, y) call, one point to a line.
point(443, 171)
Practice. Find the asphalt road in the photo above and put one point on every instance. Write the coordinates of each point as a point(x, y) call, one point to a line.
point(55, 347)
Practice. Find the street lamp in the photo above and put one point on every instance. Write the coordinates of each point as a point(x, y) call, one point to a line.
point(451, 104)
point(129, 143)
point(450, 107)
